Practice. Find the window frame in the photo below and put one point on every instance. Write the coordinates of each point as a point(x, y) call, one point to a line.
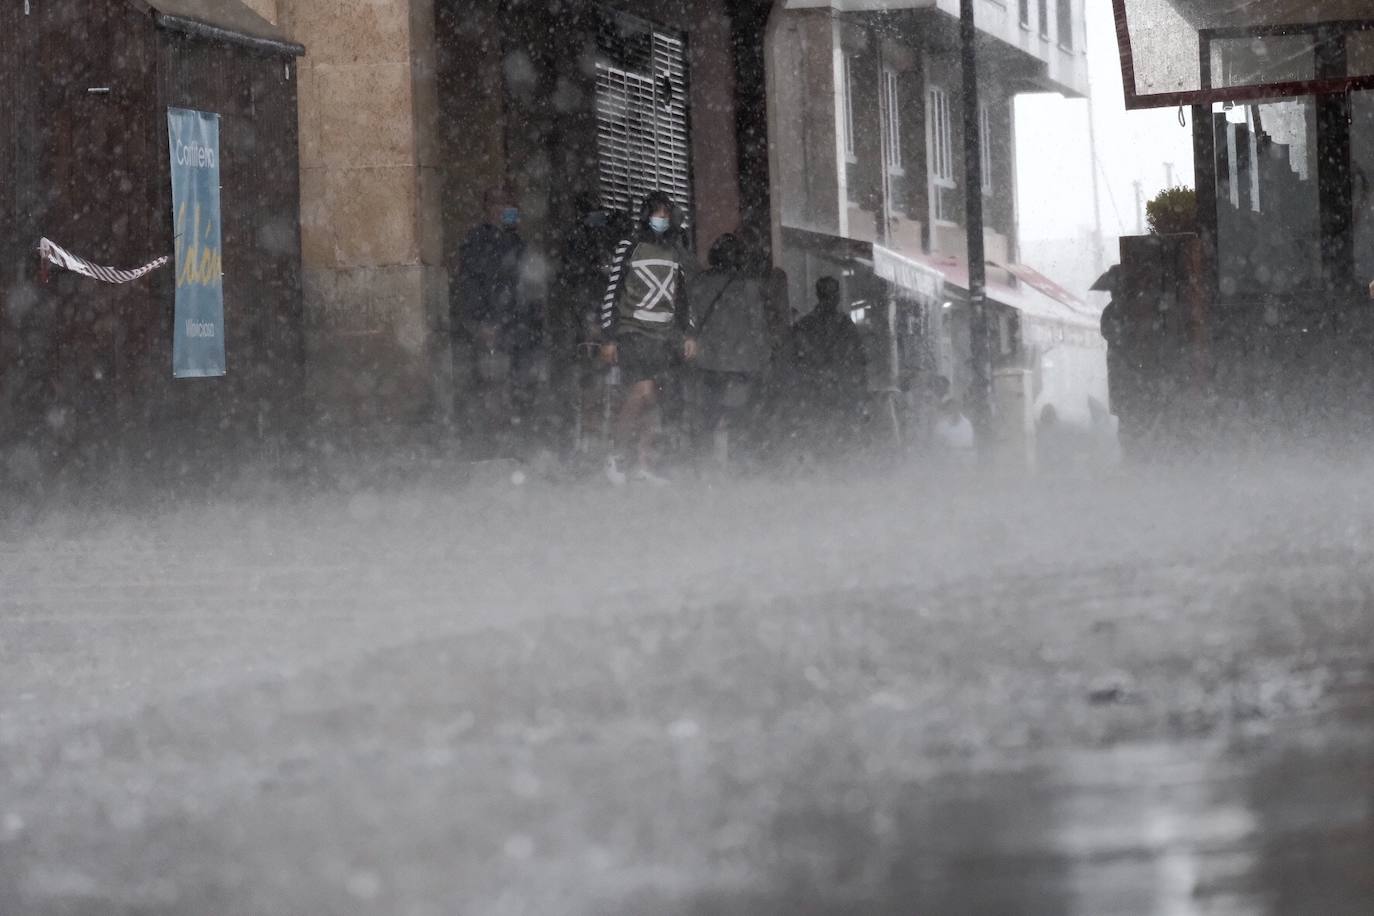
point(985, 146)
point(888, 98)
point(851, 155)
point(939, 150)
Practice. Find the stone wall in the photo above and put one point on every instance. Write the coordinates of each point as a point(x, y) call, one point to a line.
point(267, 9)
point(369, 205)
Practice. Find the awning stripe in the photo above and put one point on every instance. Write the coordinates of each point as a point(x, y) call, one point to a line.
point(926, 283)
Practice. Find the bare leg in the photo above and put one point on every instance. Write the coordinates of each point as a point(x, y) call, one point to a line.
point(646, 430)
point(630, 424)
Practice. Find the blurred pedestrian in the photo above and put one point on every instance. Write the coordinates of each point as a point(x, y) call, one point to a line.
point(647, 329)
point(831, 371)
point(930, 397)
point(575, 331)
point(585, 266)
point(953, 431)
point(730, 307)
point(493, 325)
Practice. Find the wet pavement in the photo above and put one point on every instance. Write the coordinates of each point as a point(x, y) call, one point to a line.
point(1141, 695)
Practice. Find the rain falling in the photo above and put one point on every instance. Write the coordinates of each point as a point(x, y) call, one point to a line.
point(686, 457)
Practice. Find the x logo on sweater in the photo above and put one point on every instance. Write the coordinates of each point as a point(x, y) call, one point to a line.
point(660, 286)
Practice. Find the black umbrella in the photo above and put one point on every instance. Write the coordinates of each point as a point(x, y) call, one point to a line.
point(1107, 282)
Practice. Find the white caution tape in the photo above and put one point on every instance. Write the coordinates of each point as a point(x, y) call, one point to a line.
point(56, 254)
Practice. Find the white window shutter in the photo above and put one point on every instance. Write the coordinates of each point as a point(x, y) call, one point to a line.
point(643, 143)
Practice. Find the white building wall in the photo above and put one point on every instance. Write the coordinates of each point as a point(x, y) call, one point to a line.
point(1066, 61)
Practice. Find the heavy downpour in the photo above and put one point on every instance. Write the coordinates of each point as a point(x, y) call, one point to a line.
point(687, 457)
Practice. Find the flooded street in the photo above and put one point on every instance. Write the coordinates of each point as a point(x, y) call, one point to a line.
point(687, 458)
point(1143, 694)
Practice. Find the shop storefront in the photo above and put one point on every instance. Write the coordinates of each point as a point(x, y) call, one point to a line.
point(1281, 98)
point(913, 314)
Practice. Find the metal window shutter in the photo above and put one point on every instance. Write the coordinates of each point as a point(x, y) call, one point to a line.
point(643, 140)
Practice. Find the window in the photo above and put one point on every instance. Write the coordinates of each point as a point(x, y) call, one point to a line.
point(892, 121)
point(1044, 11)
point(847, 91)
point(985, 145)
point(1023, 9)
point(1289, 259)
point(940, 151)
point(641, 113)
point(1065, 23)
point(941, 138)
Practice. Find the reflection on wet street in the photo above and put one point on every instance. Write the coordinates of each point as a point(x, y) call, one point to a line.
point(1268, 826)
point(1151, 697)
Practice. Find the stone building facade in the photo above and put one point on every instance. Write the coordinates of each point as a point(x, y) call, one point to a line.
point(410, 108)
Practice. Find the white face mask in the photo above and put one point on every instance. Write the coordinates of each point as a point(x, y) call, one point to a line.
point(659, 224)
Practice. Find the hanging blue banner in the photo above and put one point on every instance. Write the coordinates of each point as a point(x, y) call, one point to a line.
point(198, 334)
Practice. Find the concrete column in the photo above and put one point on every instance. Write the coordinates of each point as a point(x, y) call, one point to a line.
point(715, 157)
point(370, 196)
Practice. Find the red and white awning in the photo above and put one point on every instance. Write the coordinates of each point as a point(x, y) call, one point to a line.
point(930, 279)
point(924, 282)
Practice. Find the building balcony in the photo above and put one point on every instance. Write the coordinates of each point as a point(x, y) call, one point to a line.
point(1057, 56)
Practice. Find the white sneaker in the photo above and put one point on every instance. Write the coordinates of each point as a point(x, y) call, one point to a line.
point(642, 474)
point(613, 471)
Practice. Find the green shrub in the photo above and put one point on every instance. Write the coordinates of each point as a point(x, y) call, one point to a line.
point(1172, 211)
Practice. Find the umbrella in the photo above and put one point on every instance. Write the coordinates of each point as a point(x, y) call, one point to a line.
point(1108, 281)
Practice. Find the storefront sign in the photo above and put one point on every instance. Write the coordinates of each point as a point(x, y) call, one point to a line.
point(198, 334)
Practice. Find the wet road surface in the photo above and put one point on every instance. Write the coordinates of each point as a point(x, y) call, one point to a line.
point(1135, 696)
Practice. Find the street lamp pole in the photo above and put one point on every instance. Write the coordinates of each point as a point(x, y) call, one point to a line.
point(980, 338)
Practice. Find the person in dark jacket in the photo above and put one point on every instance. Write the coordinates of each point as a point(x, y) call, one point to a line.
point(646, 327)
point(1125, 360)
point(730, 306)
point(585, 267)
point(491, 258)
point(574, 313)
point(830, 352)
point(831, 367)
point(491, 319)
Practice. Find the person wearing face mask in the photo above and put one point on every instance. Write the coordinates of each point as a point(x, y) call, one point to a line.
point(646, 328)
point(490, 318)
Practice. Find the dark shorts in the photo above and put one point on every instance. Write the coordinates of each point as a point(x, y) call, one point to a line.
point(642, 357)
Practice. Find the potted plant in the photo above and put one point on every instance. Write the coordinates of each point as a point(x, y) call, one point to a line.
point(1172, 212)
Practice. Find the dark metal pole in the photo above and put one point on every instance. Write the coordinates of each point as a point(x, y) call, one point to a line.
point(1335, 188)
point(973, 221)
